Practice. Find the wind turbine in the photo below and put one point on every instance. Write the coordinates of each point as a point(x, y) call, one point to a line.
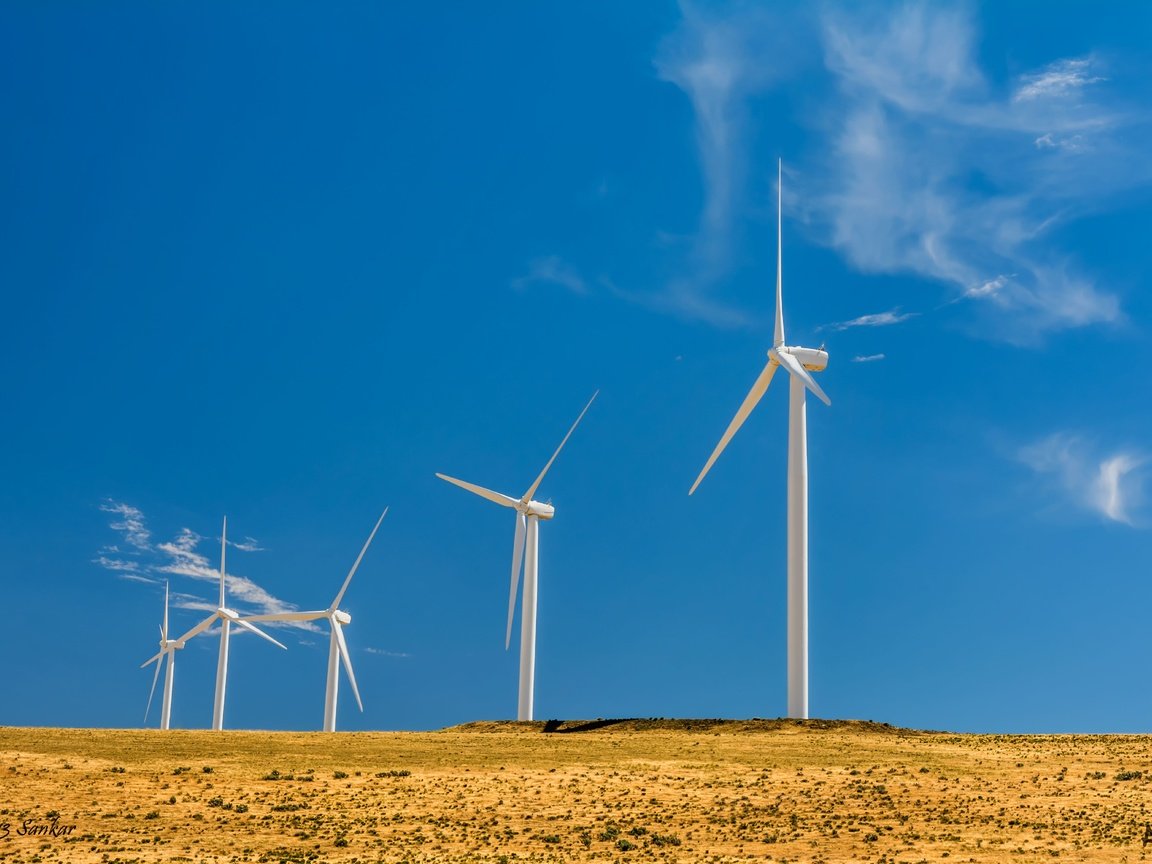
point(525, 548)
point(226, 617)
point(168, 648)
point(337, 647)
point(798, 362)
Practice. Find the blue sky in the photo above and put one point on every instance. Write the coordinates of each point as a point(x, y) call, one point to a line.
point(286, 266)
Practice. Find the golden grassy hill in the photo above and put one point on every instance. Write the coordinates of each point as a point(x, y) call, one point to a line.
point(628, 790)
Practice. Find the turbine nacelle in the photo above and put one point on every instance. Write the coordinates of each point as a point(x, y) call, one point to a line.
point(540, 511)
point(341, 617)
point(812, 359)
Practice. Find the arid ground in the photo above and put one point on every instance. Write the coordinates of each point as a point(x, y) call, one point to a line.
point(596, 790)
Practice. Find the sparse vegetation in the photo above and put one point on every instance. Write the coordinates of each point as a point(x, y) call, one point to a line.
point(635, 791)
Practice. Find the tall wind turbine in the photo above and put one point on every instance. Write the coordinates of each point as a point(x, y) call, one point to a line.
point(525, 548)
point(168, 648)
point(337, 647)
point(798, 362)
point(226, 617)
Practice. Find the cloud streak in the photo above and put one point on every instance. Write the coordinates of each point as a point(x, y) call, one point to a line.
point(876, 319)
point(552, 270)
point(938, 172)
point(1110, 484)
point(719, 58)
point(153, 563)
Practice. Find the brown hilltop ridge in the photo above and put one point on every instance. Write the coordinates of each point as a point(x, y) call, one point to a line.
point(674, 724)
point(626, 789)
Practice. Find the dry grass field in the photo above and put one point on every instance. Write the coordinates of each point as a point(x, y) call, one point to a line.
point(600, 790)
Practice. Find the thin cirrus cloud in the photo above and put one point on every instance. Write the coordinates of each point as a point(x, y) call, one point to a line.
point(875, 319)
point(552, 270)
point(940, 172)
point(1109, 484)
point(930, 166)
point(147, 562)
point(867, 358)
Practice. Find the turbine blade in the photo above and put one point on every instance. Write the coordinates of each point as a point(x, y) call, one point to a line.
point(793, 366)
point(750, 402)
point(502, 500)
point(343, 648)
point(367, 543)
point(517, 560)
point(199, 628)
point(223, 547)
point(532, 489)
point(152, 692)
point(240, 622)
point(778, 336)
point(287, 616)
point(164, 635)
point(152, 659)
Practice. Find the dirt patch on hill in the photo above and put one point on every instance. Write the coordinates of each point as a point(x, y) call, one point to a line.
point(672, 724)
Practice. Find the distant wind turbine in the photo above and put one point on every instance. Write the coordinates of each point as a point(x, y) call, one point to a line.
point(797, 362)
point(525, 548)
point(168, 649)
point(337, 647)
point(226, 617)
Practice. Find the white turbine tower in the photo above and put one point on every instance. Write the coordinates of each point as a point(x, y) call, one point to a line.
point(337, 647)
point(525, 548)
point(226, 618)
point(797, 362)
point(168, 648)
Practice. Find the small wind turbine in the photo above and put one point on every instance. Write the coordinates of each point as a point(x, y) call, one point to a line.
point(226, 617)
point(798, 362)
point(168, 648)
point(528, 515)
point(337, 647)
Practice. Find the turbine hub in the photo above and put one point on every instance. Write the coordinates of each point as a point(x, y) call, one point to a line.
point(540, 511)
point(342, 617)
point(812, 359)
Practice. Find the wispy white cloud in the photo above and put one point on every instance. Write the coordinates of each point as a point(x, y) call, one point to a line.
point(867, 358)
point(130, 524)
point(1058, 80)
point(719, 56)
point(154, 563)
point(552, 270)
point(875, 319)
point(936, 171)
point(1110, 484)
point(382, 653)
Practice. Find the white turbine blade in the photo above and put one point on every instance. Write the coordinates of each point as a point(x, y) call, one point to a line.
point(343, 648)
point(164, 629)
point(152, 659)
point(223, 547)
point(351, 573)
point(793, 365)
point(502, 500)
point(286, 616)
point(240, 622)
point(750, 402)
point(778, 336)
point(199, 628)
point(152, 692)
point(517, 560)
point(532, 489)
